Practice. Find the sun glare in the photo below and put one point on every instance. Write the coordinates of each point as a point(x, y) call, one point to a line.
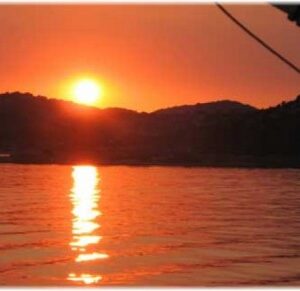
point(87, 91)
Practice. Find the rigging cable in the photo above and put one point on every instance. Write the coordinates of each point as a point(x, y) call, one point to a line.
point(260, 41)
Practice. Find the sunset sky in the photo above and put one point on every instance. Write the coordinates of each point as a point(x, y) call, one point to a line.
point(148, 57)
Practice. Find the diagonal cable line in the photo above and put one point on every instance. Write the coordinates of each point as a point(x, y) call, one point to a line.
point(259, 40)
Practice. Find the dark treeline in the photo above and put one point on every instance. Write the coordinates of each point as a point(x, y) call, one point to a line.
point(223, 133)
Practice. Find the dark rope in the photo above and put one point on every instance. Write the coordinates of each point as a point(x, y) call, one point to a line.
point(282, 58)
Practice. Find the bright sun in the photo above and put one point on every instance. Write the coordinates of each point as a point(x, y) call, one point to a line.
point(87, 91)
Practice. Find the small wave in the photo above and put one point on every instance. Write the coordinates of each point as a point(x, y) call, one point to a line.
point(22, 232)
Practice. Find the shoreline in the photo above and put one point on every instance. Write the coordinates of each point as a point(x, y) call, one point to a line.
point(157, 164)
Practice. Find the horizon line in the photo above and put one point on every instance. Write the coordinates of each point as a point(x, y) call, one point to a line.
point(142, 111)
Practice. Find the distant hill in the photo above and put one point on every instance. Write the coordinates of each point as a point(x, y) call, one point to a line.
point(223, 106)
point(35, 129)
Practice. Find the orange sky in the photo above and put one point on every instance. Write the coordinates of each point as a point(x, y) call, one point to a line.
point(149, 57)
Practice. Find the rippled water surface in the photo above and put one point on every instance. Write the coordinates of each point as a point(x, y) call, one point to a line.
point(153, 226)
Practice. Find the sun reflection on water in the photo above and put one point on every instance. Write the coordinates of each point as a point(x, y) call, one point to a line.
point(85, 278)
point(85, 196)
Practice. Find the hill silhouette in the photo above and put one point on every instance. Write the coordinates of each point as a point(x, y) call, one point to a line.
point(35, 129)
point(223, 106)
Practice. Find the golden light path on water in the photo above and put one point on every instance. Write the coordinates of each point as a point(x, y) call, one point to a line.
point(85, 196)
